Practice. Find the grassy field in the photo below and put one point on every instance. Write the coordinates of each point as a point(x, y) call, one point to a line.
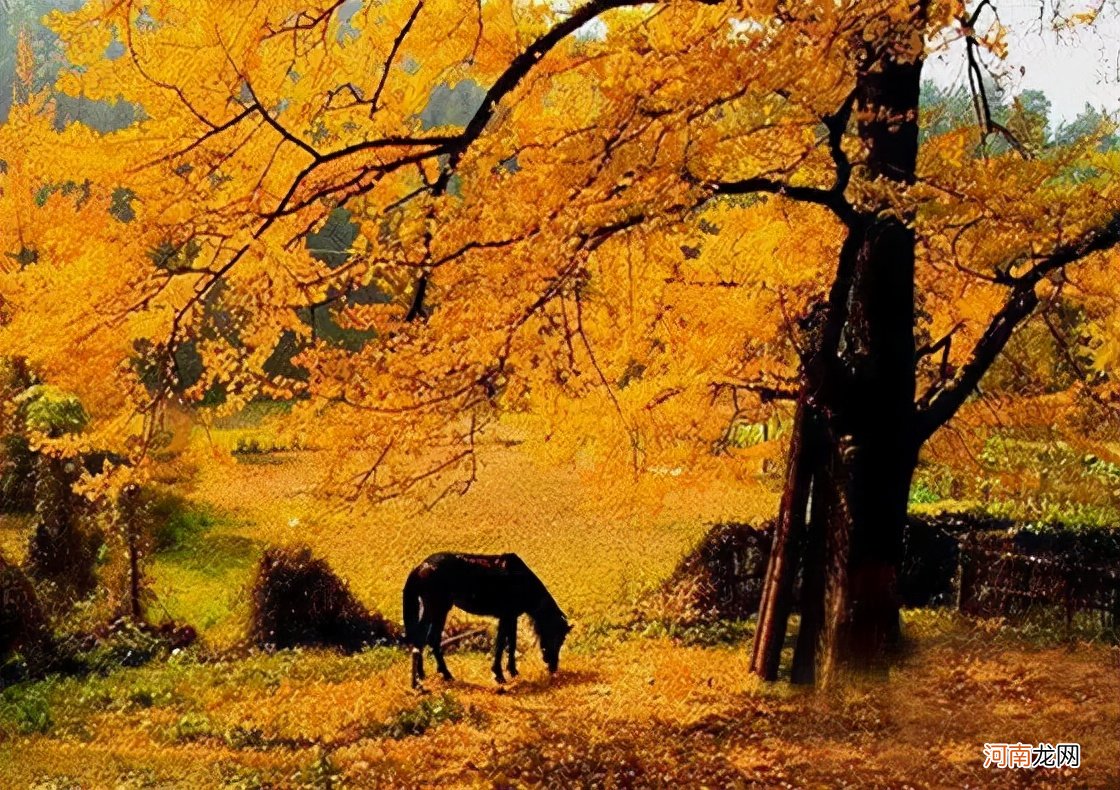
point(624, 712)
point(630, 708)
point(595, 555)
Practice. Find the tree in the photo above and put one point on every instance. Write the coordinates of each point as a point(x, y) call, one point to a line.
point(641, 221)
point(59, 551)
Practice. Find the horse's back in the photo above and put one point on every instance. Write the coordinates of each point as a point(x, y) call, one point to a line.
point(444, 560)
point(486, 584)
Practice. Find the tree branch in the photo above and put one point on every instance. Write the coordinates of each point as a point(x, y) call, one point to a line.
point(988, 124)
point(747, 186)
point(831, 198)
point(765, 392)
point(392, 56)
point(520, 66)
point(942, 401)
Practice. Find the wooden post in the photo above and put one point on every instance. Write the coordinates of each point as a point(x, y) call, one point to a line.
point(777, 592)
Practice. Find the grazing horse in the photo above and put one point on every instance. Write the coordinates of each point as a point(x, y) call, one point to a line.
point(500, 586)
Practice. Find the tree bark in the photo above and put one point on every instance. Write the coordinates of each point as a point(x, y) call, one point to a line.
point(813, 574)
point(135, 610)
point(859, 396)
point(874, 449)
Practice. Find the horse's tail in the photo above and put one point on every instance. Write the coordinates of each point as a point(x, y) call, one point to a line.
point(412, 611)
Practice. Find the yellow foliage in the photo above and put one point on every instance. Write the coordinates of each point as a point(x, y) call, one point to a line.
point(542, 201)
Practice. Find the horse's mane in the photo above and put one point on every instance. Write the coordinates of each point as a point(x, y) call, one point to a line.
point(547, 615)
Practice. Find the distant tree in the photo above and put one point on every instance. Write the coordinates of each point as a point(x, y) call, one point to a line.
point(1028, 118)
point(1090, 122)
point(944, 110)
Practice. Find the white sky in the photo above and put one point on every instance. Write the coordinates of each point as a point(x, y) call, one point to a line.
point(1071, 66)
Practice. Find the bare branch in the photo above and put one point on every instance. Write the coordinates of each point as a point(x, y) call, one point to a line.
point(765, 392)
point(988, 124)
point(392, 56)
point(304, 21)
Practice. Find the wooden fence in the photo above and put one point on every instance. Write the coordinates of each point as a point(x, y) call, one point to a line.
point(1000, 579)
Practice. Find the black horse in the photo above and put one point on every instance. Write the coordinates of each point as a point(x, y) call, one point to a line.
point(500, 586)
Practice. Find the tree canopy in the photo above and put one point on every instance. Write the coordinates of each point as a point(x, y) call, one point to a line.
point(411, 217)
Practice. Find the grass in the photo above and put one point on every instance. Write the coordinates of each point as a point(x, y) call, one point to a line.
point(659, 706)
point(420, 718)
point(723, 632)
point(596, 555)
point(201, 571)
point(633, 711)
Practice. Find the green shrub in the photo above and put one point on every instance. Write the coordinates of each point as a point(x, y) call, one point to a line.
point(192, 727)
point(17, 475)
point(126, 646)
point(319, 773)
point(248, 447)
point(52, 411)
point(418, 720)
point(26, 710)
point(241, 778)
point(932, 483)
point(149, 698)
point(921, 494)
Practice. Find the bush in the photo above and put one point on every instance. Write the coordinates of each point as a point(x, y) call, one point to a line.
point(299, 601)
point(720, 579)
point(24, 630)
point(192, 727)
point(61, 553)
point(17, 475)
point(53, 412)
point(124, 643)
point(26, 710)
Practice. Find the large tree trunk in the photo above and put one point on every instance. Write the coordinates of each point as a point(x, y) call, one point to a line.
point(858, 407)
point(875, 450)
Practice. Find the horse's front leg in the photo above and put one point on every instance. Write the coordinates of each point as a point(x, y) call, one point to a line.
point(500, 643)
point(417, 666)
point(511, 643)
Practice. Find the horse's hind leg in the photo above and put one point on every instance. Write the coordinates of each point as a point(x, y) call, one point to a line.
point(417, 666)
point(418, 651)
point(435, 641)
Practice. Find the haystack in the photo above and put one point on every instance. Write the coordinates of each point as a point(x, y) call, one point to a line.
point(720, 579)
point(23, 625)
point(299, 601)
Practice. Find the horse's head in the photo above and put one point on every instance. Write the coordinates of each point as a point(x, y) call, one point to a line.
point(552, 639)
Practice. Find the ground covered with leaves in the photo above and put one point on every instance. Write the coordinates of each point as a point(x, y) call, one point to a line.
point(628, 709)
point(647, 705)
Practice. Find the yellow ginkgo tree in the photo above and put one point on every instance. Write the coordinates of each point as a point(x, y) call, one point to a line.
point(639, 220)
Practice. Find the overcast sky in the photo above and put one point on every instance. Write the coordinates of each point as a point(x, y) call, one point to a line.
point(1071, 66)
